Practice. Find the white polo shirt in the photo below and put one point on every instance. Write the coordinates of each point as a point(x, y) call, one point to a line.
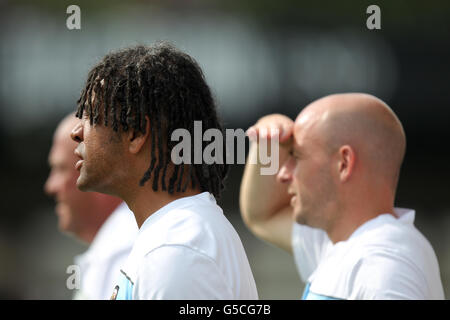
point(100, 264)
point(385, 258)
point(187, 250)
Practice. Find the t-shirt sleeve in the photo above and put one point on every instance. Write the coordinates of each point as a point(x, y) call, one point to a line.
point(173, 272)
point(386, 276)
point(309, 246)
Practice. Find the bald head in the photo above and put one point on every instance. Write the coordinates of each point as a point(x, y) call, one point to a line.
point(361, 121)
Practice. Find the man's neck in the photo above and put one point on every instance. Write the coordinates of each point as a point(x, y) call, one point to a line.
point(345, 226)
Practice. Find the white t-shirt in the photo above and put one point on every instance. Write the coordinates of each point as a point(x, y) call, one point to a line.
point(100, 264)
point(187, 250)
point(385, 258)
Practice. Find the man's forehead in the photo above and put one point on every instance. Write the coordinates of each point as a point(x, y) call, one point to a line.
point(296, 146)
point(302, 121)
point(309, 127)
point(302, 125)
point(314, 112)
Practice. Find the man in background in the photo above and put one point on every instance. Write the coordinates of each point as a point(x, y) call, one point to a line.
point(103, 222)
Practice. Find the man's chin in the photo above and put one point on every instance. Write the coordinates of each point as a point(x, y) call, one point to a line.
point(63, 227)
point(299, 217)
point(82, 184)
point(63, 222)
point(85, 186)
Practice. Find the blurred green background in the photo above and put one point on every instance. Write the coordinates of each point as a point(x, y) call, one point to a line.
point(259, 57)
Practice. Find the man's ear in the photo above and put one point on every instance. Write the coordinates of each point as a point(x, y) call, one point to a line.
point(137, 139)
point(346, 162)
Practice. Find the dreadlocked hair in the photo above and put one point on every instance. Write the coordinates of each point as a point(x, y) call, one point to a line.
point(169, 87)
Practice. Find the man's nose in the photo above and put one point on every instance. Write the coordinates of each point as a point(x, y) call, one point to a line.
point(77, 133)
point(285, 173)
point(49, 186)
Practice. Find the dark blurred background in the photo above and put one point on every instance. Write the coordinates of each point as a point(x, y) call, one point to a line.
point(259, 57)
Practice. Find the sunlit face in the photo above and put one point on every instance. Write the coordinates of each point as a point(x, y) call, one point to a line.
point(307, 171)
point(99, 153)
point(71, 203)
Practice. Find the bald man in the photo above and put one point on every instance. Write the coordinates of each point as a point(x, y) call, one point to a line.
point(103, 222)
point(331, 204)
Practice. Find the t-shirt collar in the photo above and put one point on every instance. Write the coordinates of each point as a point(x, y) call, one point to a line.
point(403, 215)
point(179, 203)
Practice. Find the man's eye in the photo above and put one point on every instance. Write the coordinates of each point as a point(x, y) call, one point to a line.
point(295, 155)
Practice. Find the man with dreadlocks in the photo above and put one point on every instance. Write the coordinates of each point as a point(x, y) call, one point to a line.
point(132, 102)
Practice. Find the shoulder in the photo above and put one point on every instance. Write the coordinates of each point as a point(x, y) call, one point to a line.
point(398, 241)
point(387, 275)
point(180, 272)
point(201, 226)
point(395, 261)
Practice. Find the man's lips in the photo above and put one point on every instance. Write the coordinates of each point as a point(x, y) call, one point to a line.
point(79, 164)
point(293, 198)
